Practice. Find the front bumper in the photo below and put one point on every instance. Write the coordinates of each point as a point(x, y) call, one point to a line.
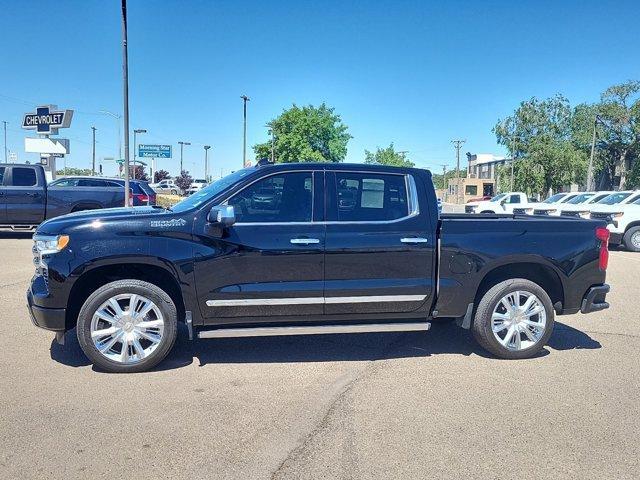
point(48, 318)
point(594, 299)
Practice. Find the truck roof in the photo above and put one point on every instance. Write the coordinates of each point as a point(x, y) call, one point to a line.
point(336, 166)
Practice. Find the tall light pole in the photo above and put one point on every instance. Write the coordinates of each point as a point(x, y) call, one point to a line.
point(5, 141)
point(117, 117)
point(135, 148)
point(458, 145)
point(182, 144)
point(206, 163)
point(245, 99)
point(590, 185)
point(125, 78)
point(93, 161)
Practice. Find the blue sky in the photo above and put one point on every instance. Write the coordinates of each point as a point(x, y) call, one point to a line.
point(415, 73)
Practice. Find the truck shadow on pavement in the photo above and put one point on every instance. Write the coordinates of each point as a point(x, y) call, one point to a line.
point(443, 338)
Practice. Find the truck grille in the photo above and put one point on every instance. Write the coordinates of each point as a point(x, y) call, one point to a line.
point(541, 212)
point(570, 214)
point(468, 209)
point(600, 215)
point(520, 211)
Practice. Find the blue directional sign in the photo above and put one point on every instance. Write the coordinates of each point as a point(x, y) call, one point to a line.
point(47, 120)
point(154, 151)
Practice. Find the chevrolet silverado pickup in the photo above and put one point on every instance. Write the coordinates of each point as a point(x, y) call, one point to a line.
point(338, 248)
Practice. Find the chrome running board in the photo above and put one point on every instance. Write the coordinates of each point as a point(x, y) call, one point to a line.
point(314, 330)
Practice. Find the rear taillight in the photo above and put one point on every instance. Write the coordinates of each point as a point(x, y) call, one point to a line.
point(603, 234)
point(141, 197)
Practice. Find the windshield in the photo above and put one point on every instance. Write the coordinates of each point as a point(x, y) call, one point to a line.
point(554, 198)
point(583, 197)
point(614, 198)
point(202, 196)
point(497, 197)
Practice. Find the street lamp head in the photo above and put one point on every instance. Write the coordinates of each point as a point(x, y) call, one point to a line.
point(207, 147)
point(140, 130)
point(245, 98)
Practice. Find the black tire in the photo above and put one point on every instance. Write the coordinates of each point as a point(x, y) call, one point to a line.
point(174, 192)
point(628, 239)
point(487, 211)
point(158, 296)
point(482, 328)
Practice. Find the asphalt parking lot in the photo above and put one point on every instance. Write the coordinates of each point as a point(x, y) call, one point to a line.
point(410, 405)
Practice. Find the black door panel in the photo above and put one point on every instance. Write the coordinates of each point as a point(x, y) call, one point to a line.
point(271, 262)
point(379, 247)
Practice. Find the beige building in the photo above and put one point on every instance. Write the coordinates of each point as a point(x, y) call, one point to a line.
point(469, 188)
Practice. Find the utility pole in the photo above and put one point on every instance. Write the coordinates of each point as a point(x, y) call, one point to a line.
point(273, 150)
point(135, 148)
point(206, 163)
point(444, 176)
point(5, 141)
point(590, 185)
point(182, 144)
point(93, 161)
point(245, 99)
point(125, 75)
point(458, 145)
point(513, 150)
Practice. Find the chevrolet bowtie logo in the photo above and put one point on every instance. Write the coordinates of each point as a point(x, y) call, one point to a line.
point(47, 120)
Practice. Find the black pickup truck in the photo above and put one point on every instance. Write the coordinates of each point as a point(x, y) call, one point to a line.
point(26, 199)
point(309, 249)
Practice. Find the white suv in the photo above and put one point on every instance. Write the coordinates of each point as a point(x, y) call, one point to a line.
point(581, 205)
point(503, 203)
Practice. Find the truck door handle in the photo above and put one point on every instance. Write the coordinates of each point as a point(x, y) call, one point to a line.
point(304, 241)
point(32, 194)
point(414, 240)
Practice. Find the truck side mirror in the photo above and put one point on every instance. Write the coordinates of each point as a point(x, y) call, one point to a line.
point(223, 215)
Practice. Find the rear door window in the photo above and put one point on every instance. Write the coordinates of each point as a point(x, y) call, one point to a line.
point(65, 182)
point(366, 197)
point(23, 177)
point(1, 175)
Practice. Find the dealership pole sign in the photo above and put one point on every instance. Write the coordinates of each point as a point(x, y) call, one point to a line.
point(154, 151)
point(47, 119)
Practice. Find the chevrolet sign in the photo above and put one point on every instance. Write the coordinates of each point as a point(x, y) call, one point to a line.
point(47, 120)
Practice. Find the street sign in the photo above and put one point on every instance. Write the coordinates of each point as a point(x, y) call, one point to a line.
point(46, 145)
point(154, 151)
point(47, 119)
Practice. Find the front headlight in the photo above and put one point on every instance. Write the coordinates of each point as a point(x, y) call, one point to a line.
point(585, 214)
point(49, 244)
point(617, 215)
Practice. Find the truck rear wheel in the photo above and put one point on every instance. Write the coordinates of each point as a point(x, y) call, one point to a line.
point(514, 319)
point(127, 326)
point(632, 239)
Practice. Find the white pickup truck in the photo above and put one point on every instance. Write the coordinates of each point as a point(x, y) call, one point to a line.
point(503, 203)
point(624, 220)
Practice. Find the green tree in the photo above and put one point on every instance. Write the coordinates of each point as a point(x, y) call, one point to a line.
point(74, 171)
point(139, 173)
point(306, 134)
point(160, 175)
point(387, 156)
point(184, 181)
point(539, 138)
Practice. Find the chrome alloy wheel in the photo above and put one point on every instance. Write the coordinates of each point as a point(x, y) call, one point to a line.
point(635, 239)
point(127, 328)
point(519, 320)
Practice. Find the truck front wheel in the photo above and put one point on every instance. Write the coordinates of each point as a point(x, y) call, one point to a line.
point(514, 319)
point(127, 326)
point(631, 239)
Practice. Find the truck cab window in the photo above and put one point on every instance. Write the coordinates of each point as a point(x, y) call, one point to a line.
point(1, 174)
point(366, 197)
point(23, 177)
point(279, 198)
